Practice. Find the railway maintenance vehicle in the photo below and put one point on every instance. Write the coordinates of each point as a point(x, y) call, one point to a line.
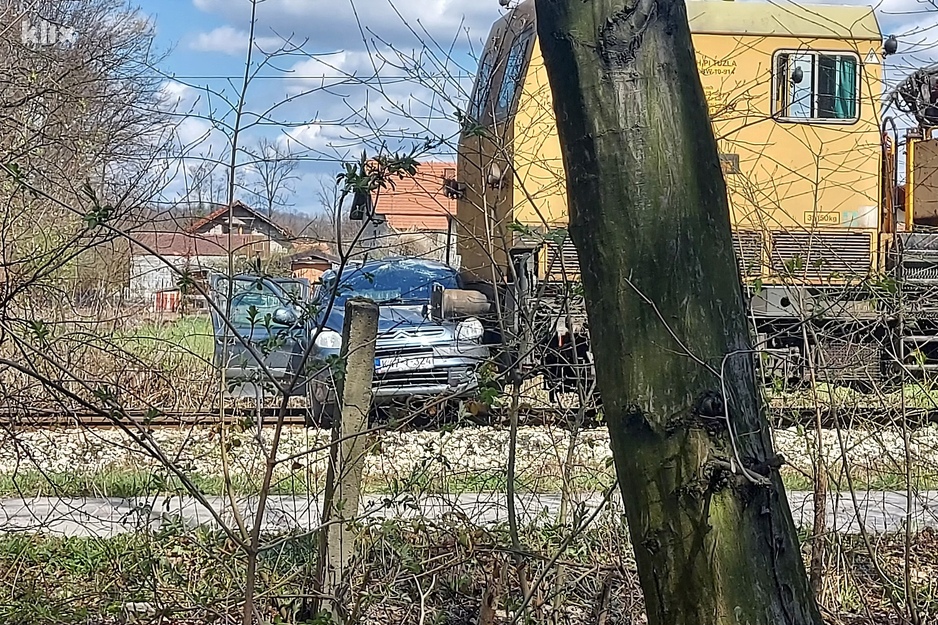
point(837, 248)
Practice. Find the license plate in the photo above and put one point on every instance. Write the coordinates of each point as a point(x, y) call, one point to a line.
point(402, 363)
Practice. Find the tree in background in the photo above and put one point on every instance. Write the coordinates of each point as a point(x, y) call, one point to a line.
point(273, 174)
point(206, 188)
point(81, 127)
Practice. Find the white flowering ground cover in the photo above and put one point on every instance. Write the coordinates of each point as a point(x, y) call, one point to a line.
point(469, 459)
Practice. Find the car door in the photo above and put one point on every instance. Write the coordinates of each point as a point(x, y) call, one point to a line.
point(250, 336)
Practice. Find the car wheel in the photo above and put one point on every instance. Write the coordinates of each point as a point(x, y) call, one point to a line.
point(321, 413)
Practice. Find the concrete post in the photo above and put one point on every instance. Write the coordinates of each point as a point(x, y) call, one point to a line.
point(343, 487)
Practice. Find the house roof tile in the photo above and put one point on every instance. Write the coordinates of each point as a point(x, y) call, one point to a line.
point(192, 245)
point(418, 202)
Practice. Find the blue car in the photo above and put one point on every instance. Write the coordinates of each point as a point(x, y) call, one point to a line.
point(265, 325)
point(299, 335)
point(415, 357)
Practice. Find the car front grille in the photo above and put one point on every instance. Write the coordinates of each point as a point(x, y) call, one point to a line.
point(410, 351)
point(406, 379)
point(423, 331)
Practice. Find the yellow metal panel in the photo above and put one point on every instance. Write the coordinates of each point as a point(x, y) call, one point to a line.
point(778, 19)
point(793, 176)
point(790, 175)
point(540, 187)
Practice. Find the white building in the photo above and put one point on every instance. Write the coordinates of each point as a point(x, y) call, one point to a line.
point(160, 259)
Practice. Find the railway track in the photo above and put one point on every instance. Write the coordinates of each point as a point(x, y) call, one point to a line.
point(296, 416)
point(65, 418)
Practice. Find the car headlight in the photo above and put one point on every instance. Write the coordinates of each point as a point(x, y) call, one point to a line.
point(328, 339)
point(469, 330)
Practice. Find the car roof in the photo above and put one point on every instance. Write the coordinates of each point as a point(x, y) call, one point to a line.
point(402, 261)
point(280, 286)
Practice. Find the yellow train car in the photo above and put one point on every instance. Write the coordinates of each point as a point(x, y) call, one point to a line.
point(795, 94)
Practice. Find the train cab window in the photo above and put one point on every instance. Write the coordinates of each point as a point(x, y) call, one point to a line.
point(513, 75)
point(816, 87)
point(483, 87)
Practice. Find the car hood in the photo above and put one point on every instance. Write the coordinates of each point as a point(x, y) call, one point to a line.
point(389, 317)
point(259, 333)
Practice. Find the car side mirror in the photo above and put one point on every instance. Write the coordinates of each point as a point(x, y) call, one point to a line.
point(284, 317)
point(453, 303)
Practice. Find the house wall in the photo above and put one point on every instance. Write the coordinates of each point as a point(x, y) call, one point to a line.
point(149, 274)
point(253, 226)
point(310, 271)
point(272, 237)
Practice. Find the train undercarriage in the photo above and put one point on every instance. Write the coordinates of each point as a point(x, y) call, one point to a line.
point(870, 333)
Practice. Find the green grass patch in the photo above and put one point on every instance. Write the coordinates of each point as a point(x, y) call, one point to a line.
point(185, 338)
point(198, 576)
point(134, 483)
point(66, 580)
point(128, 483)
point(48, 580)
point(877, 482)
point(916, 396)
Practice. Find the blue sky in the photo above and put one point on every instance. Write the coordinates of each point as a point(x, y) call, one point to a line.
point(344, 75)
point(349, 74)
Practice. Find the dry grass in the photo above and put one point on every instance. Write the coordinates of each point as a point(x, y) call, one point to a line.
point(196, 577)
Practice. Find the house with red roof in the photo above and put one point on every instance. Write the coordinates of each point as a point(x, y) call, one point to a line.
point(237, 234)
point(419, 202)
point(242, 220)
point(416, 214)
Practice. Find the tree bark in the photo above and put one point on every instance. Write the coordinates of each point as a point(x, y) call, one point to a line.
point(714, 541)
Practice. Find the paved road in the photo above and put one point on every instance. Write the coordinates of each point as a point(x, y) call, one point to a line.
point(877, 511)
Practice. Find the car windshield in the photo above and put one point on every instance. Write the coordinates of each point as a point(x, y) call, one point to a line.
point(253, 301)
point(399, 281)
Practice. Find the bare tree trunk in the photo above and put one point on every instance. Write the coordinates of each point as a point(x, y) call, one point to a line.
point(712, 531)
point(819, 530)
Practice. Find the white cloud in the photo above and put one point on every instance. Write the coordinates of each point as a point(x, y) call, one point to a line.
point(192, 132)
point(334, 24)
point(231, 41)
point(225, 39)
point(175, 95)
point(379, 89)
point(317, 137)
point(193, 135)
point(396, 75)
point(357, 91)
point(328, 69)
point(301, 136)
point(348, 68)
